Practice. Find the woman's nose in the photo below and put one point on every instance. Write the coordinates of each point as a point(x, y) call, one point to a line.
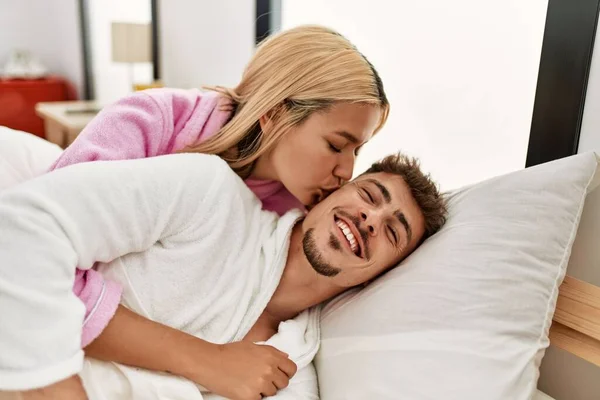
point(345, 167)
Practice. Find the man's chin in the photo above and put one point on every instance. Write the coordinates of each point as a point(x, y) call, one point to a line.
point(325, 270)
point(315, 257)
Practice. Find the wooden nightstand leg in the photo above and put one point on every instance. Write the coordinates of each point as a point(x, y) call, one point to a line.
point(55, 133)
point(71, 136)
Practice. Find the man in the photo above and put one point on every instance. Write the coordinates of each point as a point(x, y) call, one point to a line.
point(194, 250)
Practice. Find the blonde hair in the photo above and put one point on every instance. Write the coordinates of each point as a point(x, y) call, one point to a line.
point(292, 74)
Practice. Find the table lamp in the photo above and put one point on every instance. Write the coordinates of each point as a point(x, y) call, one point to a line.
point(131, 44)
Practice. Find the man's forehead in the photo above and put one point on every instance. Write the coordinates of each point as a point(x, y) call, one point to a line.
point(390, 185)
point(382, 177)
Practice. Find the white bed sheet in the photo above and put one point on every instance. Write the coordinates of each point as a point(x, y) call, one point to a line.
point(36, 155)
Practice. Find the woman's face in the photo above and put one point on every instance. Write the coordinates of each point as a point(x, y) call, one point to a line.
point(317, 156)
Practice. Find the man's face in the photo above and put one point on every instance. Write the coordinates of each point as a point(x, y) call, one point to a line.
point(364, 228)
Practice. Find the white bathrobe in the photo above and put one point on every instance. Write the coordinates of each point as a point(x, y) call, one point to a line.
point(184, 236)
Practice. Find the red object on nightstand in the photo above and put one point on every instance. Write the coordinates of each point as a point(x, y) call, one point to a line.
point(18, 98)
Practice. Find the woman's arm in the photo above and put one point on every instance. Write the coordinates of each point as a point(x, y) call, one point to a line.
point(131, 339)
point(133, 127)
point(145, 124)
point(237, 371)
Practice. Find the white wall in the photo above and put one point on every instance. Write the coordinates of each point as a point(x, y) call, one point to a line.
point(48, 29)
point(563, 375)
point(205, 42)
point(112, 80)
point(586, 245)
point(460, 75)
point(589, 139)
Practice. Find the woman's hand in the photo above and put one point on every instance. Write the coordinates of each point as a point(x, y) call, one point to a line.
point(246, 371)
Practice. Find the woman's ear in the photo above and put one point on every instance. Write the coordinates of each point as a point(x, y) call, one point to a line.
point(265, 123)
point(271, 117)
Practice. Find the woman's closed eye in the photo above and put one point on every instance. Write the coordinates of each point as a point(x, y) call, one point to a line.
point(334, 148)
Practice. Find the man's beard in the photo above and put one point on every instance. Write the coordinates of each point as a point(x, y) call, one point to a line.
point(315, 258)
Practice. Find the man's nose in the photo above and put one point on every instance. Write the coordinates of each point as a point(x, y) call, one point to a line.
point(369, 219)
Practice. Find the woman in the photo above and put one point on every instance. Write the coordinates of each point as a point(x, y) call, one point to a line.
point(307, 102)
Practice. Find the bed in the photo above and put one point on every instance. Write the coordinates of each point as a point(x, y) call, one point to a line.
point(576, 319)
point(576, 326)
point(576, 323)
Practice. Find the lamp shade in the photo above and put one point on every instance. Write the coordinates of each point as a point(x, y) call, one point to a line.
point(131, 43)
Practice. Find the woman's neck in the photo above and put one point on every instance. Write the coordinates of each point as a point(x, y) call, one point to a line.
point(263, 170)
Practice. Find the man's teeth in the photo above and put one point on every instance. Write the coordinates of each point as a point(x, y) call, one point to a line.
point(349, 236)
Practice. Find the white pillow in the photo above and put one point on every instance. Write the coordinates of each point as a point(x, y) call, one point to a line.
point(467, 315)
point(23, 156)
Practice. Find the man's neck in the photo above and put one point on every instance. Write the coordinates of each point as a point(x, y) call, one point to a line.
point(300, 287)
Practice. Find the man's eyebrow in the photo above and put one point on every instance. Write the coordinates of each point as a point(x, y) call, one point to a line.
point(347, 135)
point(384, 192)
point(404, 222)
